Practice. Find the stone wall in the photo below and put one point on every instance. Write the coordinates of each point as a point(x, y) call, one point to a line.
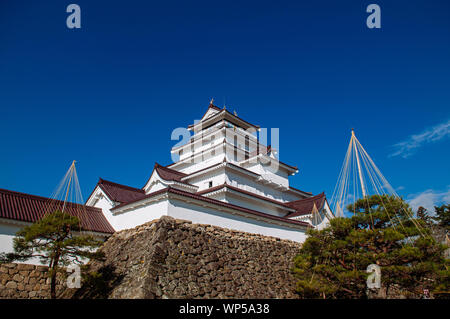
point(25, 281)
point(169, 258)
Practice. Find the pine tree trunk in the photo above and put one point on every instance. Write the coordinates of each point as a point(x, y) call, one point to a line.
point(53, 276)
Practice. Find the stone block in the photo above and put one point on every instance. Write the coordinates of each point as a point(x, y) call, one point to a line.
point(11, 285)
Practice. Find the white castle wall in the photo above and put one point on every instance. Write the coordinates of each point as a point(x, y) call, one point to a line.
point(204, 215)
point(251, 185)
point(141, 215)
point(8, 230)
point(7, 234)
point(257, 205)
point(105, 206)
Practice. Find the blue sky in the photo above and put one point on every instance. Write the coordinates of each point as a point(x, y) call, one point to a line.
point(110, 94)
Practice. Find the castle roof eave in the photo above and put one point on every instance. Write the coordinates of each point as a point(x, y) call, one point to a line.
point(116, 192)
point(27, 208)
point(218, 116)
point(169, 175)
point(289, 168)
point(305, 206)
point(247, 193)
point(169, 190)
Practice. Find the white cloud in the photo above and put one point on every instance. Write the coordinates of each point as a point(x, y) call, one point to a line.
point(429, 199)
point(431, 135)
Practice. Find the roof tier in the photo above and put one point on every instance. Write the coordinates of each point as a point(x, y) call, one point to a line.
point(30, 208)
point(118, 192)
point(306, 206)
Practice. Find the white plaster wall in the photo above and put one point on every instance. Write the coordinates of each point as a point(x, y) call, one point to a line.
point(203, 144)
point(7, 234)
point(156, 183)
point(156, 187)
point(271, 172)
point(251, 185)
point(245, 182)
point(200, 163)
point(205, 139)
point(140, 215)
point(204, 215)
point(105, 205)
point(217, 177)
point(255, 205)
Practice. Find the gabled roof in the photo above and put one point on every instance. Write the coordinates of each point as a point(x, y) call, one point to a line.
point(118, 192)
point(211, 106)
point(224, 162)
point(30, 208)
point(169, 174)
point(224, 111)
point(306, 206)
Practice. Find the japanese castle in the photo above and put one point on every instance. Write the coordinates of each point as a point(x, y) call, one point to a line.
point(222, 176)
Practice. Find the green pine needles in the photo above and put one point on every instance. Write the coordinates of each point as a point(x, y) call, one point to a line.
point(53, 241)
point(333, 262)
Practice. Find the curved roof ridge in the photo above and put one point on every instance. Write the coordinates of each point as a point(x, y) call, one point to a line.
point(119, 192)
point(101, 181)
point(305, 206)
point(167, 174)
point(171, 170)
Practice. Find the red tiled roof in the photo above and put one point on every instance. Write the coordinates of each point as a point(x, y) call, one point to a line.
point(220, 203)
point(120, 193)
point(169, 174)
point(305, 206)
point(242, 168)
point(220, 163)
point(239, 190)
point(262, 150)
point(30, 208)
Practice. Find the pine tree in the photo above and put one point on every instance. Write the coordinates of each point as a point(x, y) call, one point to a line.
point(52, 239)
point(333, 262)
point(443, 216)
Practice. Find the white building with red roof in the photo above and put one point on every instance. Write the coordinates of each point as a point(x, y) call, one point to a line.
point(18, 210)
point(222, 176)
